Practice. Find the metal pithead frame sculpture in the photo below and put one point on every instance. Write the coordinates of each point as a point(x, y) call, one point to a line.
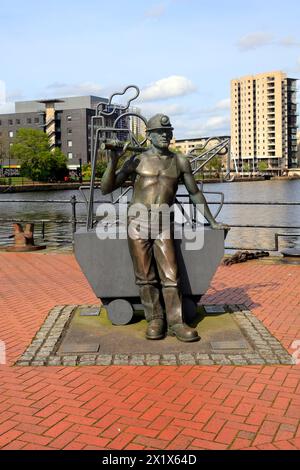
point(162, 268)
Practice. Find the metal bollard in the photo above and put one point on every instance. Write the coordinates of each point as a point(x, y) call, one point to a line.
point(73, 201)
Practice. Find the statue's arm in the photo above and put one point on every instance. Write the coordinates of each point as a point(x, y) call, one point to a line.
point(196, 196)
point(113, 179)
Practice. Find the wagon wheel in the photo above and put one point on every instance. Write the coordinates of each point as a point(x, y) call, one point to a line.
point(120, 312)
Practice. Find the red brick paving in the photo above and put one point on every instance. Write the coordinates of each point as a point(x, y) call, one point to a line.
point(186, 407)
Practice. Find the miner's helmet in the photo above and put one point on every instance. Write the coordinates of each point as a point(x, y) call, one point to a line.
point(159, 121)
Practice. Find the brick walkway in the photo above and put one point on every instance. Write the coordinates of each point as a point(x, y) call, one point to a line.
point(186, 407)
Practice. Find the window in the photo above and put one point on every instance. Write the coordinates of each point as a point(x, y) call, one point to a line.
point(36, 120)
point(11, 134)
point(10, 122)
point(70, 143)
point(69, 118)
point(18, 121)
point(70, 155)
point(28, 120)
point(69, 131)
point(0, 122)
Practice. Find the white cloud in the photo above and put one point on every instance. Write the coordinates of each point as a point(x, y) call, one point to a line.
point(255, 40)
point(289, 41)
point(223, 104)
point(156, 11)
point(185, 127)
point(217, 122)
point(2, 92)
point(6, 102)
point(169, 87)
point(260, 39)
point(149, 109)
point(67, 89)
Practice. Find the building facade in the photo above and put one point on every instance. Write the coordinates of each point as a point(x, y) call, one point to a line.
point(264, 122)
point(67, 122)
point(187, 145)
point(137, 126)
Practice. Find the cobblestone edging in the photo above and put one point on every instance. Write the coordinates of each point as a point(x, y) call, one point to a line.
point(41, 351)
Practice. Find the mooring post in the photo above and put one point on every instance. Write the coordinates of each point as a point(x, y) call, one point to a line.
point(73, 201)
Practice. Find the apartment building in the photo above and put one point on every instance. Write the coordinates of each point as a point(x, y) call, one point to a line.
point(67, 122)
point(298, 149)
point(187, 145)
point(137, 125)
point(264, 122)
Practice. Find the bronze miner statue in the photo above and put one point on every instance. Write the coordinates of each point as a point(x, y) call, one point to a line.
point(156, 174)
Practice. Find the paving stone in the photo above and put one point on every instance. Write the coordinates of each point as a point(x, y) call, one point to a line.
point(41, 356)
point(220, 359)
point(37, 342)
point(254, 361)
point(168, 360)
point(237, 359)
point(50, 343)
point(104, 360)
point(186, 359)
point(204, 359)
point(88, 357)
point(205, 362)
point(138, 360)
point(285, 360)
point(27, 357)
point(54, 361)
point(69, 361)
point(121, 359)
point(152, 359)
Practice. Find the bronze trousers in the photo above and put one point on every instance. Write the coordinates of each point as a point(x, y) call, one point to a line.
point(155, 268)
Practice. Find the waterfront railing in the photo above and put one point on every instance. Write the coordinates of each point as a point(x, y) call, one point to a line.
point(74, 220)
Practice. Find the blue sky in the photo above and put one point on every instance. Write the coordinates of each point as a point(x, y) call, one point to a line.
point(181, 53)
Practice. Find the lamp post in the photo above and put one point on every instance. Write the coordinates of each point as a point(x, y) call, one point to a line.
point(1, 159)
point(80, 170)
point(9, 175)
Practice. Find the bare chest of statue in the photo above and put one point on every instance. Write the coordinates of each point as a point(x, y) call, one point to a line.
point(156, 180)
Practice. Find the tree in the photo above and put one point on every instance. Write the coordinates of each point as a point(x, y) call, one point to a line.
point(246, 167)
point(215, 164)
point(87, 170)
point(262, 166)
point(32, 149)
point(3, 150)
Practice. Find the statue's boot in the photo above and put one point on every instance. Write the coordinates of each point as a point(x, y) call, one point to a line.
point(153, 312)
point(156, 329)
point(176, 326)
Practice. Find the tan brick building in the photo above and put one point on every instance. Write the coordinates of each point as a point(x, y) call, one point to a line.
point(187, 145)
point(264, 121)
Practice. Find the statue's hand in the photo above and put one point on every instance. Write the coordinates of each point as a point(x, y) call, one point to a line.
point(220, 226)
point(116, 152)
point(115, 155)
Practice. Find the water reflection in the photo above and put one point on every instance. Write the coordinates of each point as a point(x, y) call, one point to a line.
point(60, 233)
